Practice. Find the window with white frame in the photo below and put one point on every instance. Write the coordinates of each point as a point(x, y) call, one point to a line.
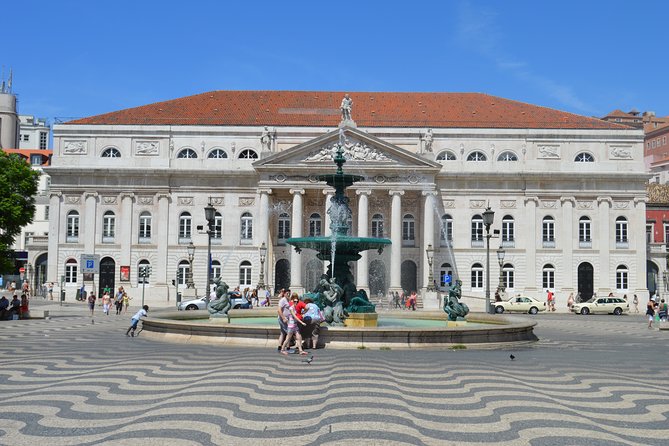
point(446, 155)
point(548, 277)
point(141, 266)
point(508, 231)
point(446, 270)
point(377, 226)
point(248, 154)
point(187, 153)
point(507, 156)
point(283, 232)
point(584, 232)
point(508, 276)
point(183, 270)
point(216, 269)
point(446, 230)
point(111, 152)
point(408, 230)
point(42, 140)
point(108, 227)
point(246, 232)
point(622, 283)
point(145, 227)
point(476, 156)
point(71, 269)
point(315, 225)
point(649, 234)
point(217, 232)
point(72, 234)
point(584, 157)
point(477, 231)
point(217, 153)
point(621, 233)
point(477, 276)
point(245, 273)
point(548, 232)
point(185, 227)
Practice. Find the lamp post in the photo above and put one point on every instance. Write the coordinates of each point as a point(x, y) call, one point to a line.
point(210, 216)
point(29, 275)
point(665, 278)
point(191, 253)
point(430, 259)
point(263, 256)
point(488, 218)
point(500, 259)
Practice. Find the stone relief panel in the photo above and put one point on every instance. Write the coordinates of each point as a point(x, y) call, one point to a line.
point(449, 204)
point(145, 200)
point(507, 204)
point(185, 201)
point(549, 204)
point(584, 204)
point(217, 201)
point(621, 152)
point(246, 201)
point(476, 204)
point(353, 151)
point(73, 199)
point(75, 147)
point(149, 148)
point(109, 200)
point(621, 205)
point(548, 151)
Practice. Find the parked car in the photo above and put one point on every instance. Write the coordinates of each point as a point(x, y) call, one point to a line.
point(521, 304)
point(236, 301)
point(604, 305)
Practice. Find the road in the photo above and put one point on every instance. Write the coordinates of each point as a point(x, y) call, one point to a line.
point(590, 380)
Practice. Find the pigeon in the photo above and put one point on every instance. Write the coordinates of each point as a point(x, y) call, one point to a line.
point(309, 359)
point(511, 357)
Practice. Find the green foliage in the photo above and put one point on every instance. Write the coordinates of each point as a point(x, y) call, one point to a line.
point(458, 347)
point(18, 186)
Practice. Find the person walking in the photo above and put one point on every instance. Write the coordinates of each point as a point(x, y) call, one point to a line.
point(650, 312)
point(50, 290)
point(126, 302)
point(106, 303)
point(635, 302)
point(143, 312)
point(91, 302)
point(662, 310)
point(570, 301)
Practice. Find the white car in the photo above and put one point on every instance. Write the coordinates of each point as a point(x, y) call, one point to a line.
point(236, 302)
point(604, 305)
point(521, 304)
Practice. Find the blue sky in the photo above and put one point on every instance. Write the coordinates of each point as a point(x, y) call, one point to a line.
point(81, 58)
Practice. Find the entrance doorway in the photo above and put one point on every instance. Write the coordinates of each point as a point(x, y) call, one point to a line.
point(585, 280)
point(107, 276)
point(408, 279)
point(652, 279)
point(39, 279)
point(281, 275)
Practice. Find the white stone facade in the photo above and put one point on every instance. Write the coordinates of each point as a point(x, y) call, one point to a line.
point(539, 178)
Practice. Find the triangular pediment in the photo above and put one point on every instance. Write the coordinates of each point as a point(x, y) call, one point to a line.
point(361, 150)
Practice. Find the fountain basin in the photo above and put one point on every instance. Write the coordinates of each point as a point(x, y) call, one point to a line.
point(481, 331)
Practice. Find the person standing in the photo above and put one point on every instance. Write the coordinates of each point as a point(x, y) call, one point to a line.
point(283, 310)
point(91, 302)
point(50, 290)
point(662, 311)
point(126, 302)
point(106, 303)
point(650, 312)
point(570, 301)
point(635, 302)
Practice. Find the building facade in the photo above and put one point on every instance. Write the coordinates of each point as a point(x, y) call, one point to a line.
point(568, 193)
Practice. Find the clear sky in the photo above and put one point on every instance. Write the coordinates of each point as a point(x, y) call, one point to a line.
point(81, 58)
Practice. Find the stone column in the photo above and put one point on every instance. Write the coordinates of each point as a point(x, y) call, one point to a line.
point(637, 279)
point(55, 237)
point(125, 228)
point(428, 233)
point(262, 234)
point(565, 239)
point(363, 231)
point(160, 228)
point(296, 231)
point(326, 217)
point(606, 274)
point(89, 222)
point(396, 239)
point(531, 277)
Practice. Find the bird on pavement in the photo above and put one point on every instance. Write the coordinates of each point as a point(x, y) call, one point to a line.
point(511, 357)
point(309, 359)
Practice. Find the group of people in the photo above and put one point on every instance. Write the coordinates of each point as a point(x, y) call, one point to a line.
point(656, 310)
point(120, 301)
point(299, 320)
point(403, 301)
point(14, 309)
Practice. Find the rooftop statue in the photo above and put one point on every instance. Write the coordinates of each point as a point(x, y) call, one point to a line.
point(346, 106)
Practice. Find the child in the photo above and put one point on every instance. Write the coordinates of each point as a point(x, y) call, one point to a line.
point(135, 320)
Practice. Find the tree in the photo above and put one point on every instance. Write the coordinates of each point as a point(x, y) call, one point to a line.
point(18, 186)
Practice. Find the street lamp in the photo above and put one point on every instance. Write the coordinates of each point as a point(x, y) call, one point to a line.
point(29, 272)
point(263, 256)
point(191, 253)
point(210, 216)
point(500, 259)
point(488, 218)
point(430, 259)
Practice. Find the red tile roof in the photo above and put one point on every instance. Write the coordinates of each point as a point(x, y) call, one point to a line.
point(319, 108)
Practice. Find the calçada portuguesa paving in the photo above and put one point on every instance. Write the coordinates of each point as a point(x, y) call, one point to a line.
point(595, 380)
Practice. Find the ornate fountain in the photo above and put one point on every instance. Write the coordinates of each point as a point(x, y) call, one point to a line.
point(336, 293)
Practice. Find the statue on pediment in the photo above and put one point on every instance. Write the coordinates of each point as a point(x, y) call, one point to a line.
point(346, 106)
point(266, 140)
point(428, 140)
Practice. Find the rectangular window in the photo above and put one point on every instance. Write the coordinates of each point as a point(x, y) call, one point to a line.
point(36, 159)
point(377, 228)
point(477, 231)
point(584, 232)
point(46, 212)
point(108, 228)
point(507, 278)
point(408, 230)
point(218, 228)
point(72, 235)
point(284, 229)
point(71, 273)
point(314, 228)
point(26, 137)
point(477, 278)
point(144, 229)
point(185, 227)
point(548, 279)
point(621, 234)
point(42, 140)
point(621, 280)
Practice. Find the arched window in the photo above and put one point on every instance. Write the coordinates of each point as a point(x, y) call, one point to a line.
point(548, 277)
point(283, 232)
point(314, 225)
point(71, 272)
point(141, 267)
point(446, 155)
point(248, 154)
point(477, 231)
point(187, 153)
point(408, 230)
point(218, 227)
point(477, 276)
point(185, 227)
point(622, 283)
point(621, 233)
point(72, 235)
point(144, 227)
point(446, 275)
point(215, 269)
point(476, 156)
point(446, 230)
point(183, 270)
point(108, 227)
point(584, 157)
point(111, 152)
point(246, 232)
point(508, 276)
point(377, 226)
point(584, 232)
point(507, 156)
point(548, 232)
point(508, 231)
point(217, 153)
point(245, 273)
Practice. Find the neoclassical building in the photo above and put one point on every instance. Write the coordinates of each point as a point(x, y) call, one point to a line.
point(568, 192)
